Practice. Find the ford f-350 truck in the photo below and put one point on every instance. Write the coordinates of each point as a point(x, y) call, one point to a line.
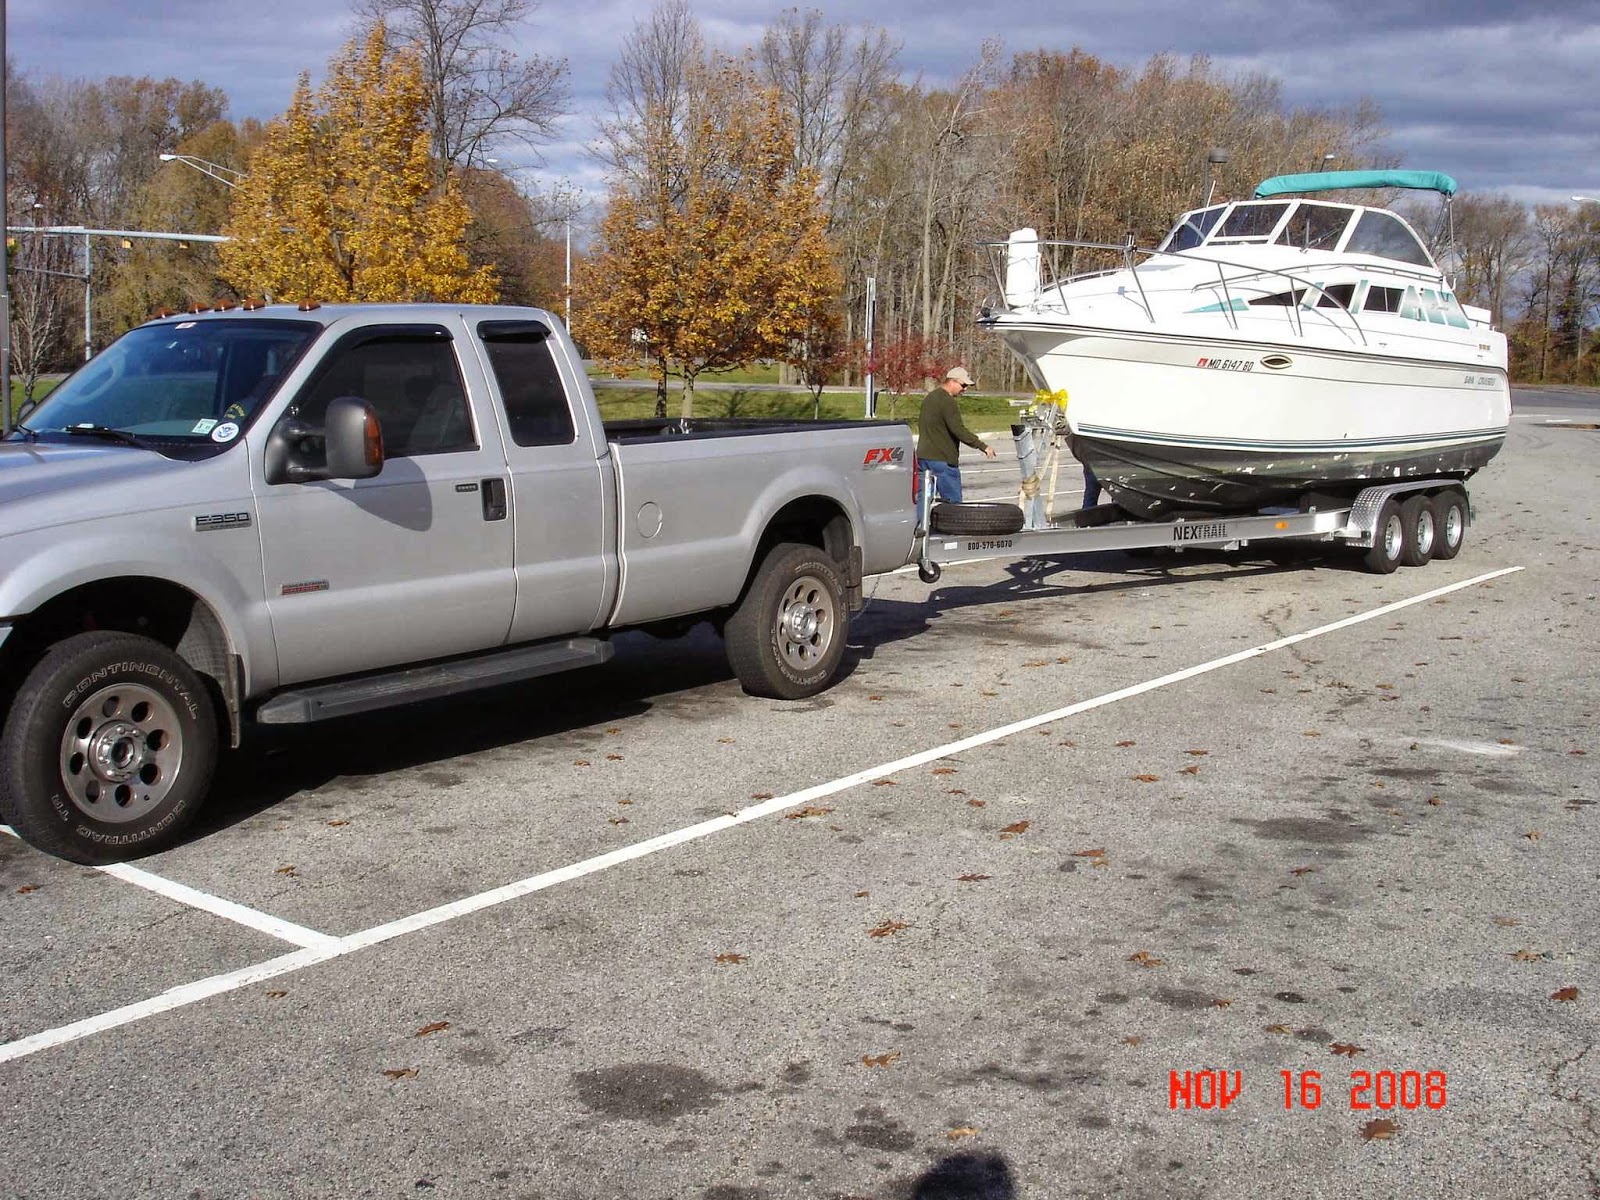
point(282, 515)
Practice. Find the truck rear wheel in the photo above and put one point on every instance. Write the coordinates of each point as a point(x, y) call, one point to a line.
point(108, 750)
point(1418, 517)
point(787, 636)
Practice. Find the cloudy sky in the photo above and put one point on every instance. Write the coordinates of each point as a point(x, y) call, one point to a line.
point(1502, 94)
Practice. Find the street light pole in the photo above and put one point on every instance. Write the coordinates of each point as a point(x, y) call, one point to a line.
point(215, 170)
point(569, 276)
point(5, 266)
point(1579, 359)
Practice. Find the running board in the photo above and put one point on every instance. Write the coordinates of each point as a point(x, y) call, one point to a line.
point(328, 700)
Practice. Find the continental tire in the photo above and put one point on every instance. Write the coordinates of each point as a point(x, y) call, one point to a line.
point(976, 518)
point(787, 636)
point(1388, 540)
point(108, 749)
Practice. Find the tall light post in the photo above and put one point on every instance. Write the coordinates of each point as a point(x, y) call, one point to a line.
point(214, 170)
point(1216, 158)
point(569, 275)
point(1582, 200)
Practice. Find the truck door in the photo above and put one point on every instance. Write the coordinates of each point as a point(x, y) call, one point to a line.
point(561, 506)
point(414, 563)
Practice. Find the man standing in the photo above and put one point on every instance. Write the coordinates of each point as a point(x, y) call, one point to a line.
point(940, 431)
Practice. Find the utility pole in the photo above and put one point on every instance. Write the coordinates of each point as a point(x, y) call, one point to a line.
point(5, 269)
point(872, 305)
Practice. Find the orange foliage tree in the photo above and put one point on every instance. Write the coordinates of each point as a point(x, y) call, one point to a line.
point(342, 201)
point(714, 251)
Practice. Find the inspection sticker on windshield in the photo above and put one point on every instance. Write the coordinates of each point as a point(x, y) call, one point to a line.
point(225, 432)
point(205, 426)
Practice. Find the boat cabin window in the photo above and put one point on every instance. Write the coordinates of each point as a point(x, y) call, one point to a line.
point(1384, 235)
point(1192, 228)
point(1280, 299)
point(1314, 227)
point(1251, 222)
point(1337, 295)
point(1383, 299)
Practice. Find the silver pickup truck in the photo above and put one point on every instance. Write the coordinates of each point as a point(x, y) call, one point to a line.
point(284, 515)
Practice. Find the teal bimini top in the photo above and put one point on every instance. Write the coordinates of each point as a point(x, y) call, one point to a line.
point(1330, 181)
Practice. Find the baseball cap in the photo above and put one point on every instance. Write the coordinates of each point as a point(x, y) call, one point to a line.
point(959, 374)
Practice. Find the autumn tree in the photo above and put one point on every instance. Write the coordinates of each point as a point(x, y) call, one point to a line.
point(716, 252)
point(909, 362)
point(342, 202)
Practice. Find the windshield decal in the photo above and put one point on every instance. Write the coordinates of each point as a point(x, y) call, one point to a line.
point(225, 432)
point(204, 426)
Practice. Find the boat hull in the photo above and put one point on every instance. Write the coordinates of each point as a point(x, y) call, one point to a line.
point(1184, 423)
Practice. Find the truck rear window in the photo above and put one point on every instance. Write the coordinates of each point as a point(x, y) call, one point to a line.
point(535, 401)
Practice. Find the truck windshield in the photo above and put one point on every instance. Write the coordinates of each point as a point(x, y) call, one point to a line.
point(185, 382)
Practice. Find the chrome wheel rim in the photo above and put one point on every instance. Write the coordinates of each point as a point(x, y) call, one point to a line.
point(1452, 525)
point(121, 753)
point(1393, 532)
point(806, 623)
point(1424, 533)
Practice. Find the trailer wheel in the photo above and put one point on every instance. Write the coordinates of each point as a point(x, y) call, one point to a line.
point(929, 572)
point(787, 636)
point(1388, 540)
point(1417, 516)
point(108, 749)
point(1449, 523)
point(976, 518)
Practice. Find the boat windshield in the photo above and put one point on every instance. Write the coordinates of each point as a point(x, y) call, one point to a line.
point(1192, 228)
point(1315, 226)
point(1384, 235)
point(190, 382)
point(1251, 222)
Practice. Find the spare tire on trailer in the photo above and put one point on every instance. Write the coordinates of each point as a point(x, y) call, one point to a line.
point(976, 518)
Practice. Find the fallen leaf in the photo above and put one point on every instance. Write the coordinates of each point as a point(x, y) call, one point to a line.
point(1219, 1002)
point(1311, 733)
point(887, 929)
point(1533, 835)
point(731, 959)
point(1198, 753)
point(726, 741)
point(944, 770)
point(26, 888)
point(1064, 658)
point(1348, 1049)
point(580, 762)
point(988, 693)
point(862, 895)
point(879, 1060)
point(1507, 921)
point(1190, 770)
point(1388, 687)
point(618, 820)
point(1578, 752)
point(1128, 743)
point(1380, 1130)
point(1013, 830)
point(956, 792)
point(1144, 958)
point(1507, 742)
point(874, 697)
point(276, 995)
point(885, 783)
point(1145, 778)
point(1269, 691)
point(810, 810)
point(1527, 955)
point(966, 1131)
point(1284, 1029)
point(1302, 870)
point(401, 1073)
point(955, 724)
point(1038, 662)
point(613, 731)
point(976, 803)
point(1097, 852)
point(625, 800)
point(1099, 862)
point(436, 1027)
point(1566, 995)
point(613, 758)
point(338, 824)
point(761, 795)
point(972, 878)
point(1435, 801)
point(1133, 1041)
point(289, 870)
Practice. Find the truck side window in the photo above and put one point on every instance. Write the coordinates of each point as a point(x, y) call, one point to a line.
point(412, 382)
point(530, 385)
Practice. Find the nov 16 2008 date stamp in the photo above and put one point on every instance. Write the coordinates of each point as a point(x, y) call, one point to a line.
point(1368, 1091)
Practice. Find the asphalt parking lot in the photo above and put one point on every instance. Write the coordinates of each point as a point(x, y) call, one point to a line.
point(1078, 869)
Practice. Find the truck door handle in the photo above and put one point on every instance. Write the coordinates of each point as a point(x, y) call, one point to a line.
point(494, 499)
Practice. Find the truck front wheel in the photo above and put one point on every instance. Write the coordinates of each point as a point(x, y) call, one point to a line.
point(108, 750)
point(787, 636)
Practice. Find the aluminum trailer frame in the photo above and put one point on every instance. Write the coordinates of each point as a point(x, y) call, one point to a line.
point(1355, 525)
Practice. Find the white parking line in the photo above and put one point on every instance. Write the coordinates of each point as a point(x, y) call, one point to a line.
point(193, 993)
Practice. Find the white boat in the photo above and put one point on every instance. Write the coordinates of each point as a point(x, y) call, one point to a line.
point(1267, 350)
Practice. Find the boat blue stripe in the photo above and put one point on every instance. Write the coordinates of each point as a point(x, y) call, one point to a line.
point(1131, 435)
